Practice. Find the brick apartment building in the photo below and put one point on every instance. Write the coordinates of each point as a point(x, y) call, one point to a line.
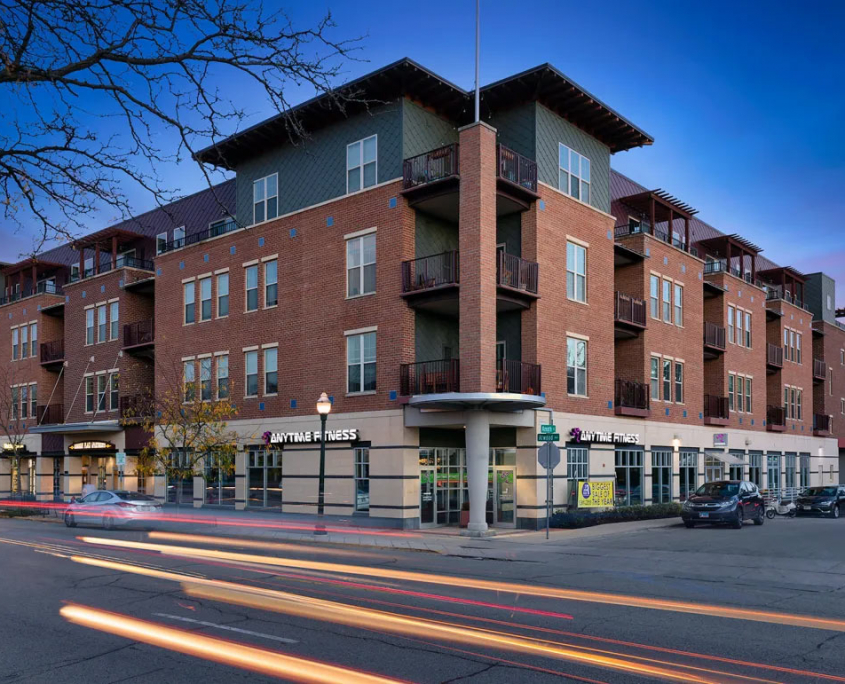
point(448, 284)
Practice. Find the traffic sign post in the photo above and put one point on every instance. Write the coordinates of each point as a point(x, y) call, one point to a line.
point(549, 458)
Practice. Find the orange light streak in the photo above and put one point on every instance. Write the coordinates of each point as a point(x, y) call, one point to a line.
point(259, 545)
point(218, 650)
point(490, 585)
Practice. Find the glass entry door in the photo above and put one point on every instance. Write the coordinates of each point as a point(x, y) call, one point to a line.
point(427, 497)
point(505, 497)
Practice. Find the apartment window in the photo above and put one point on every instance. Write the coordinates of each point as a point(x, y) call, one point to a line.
point(748, 395)
point(739, 334)
point(271, 371)
point(654, 296)
point(114, 390)
point(252, 288)
point(661, 476)
point(222, 295)
point(15, 344)
point(179, 237)
point(271, 283)
point(14, 408)
point(798, 337)
point(576, 272)
point(655, 378)
point(667, 301)
point(251, 365)
point(361, 362)
point(842, 406)
point(265, 198)
point(223, 376)
point(576, 367)
point(842, 357)
point(786, 344)
point(205, 378)
point(573, 173)
point(800, 404)
point(89, 326)
point(89, 394)
point(205, 299)
point(731, 391)
point(740, 394)
point(731, 314)
point(361, 265)
point(161, 243)
point(102, 327)
point(755, 468)
point(786, 402)
point(102, 386)
point(189, 377)
point(24, 341)
point(679, 304)
point(748, 330)
point(361, 164)
point(33, 400)
point(792, 345)
point(24, 402)
point(190, 299)
point(33, 338)
point(362, 479)
point(679, 383)
point(667, 380)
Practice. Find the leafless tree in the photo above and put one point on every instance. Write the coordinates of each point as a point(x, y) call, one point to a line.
point(15, 426)
point(99, 95)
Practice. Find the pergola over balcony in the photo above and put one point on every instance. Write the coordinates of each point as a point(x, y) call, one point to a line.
point(106, 240)
point(657, 207)
point(50, 273)
point(785, 283)
point(726, 249)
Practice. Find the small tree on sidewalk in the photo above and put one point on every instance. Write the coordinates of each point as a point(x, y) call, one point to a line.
point(14, 395)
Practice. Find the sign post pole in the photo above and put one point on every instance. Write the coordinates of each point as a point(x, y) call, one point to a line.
point(548, 499)
point(548, 457)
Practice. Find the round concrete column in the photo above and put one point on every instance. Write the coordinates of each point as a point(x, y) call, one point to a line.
point(478, 460)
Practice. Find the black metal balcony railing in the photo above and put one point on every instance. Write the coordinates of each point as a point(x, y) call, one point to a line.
point(517, 377)
point(633, 395)
point(662, 234)
point(715, 266)
point(40, 288)
point(135, 262)
point(630, 310)
point(135, 406)
point(774, 355)
point(819, 369)
point(52, 352)
point(776, 415)
point(54, 414)
point(517, 273)
point(430, 166)
point(217, 229)
point(716, 407)
point(430, 377)
point(774, 292)
point(516, 168)
point(138, 333)
point(429, 272)
point(714, 336)
point(821, 423)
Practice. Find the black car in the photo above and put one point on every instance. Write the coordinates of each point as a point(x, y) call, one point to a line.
point(730, 502)
point(826, 500)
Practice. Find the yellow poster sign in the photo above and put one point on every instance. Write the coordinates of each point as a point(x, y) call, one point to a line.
point(595, 494)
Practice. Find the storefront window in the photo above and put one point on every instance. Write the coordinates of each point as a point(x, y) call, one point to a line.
point(265, 479)
point(689, 473)
point(180, 481)
point(714, 468)
point(577, 468)
point(661, 476)
point(773, 468)
point(755, 469)
point(805, 470)
point(790, 471)
point(629, 477)
point(736, 468)
point(362, 479)
point(57, 479)
point(219, 483)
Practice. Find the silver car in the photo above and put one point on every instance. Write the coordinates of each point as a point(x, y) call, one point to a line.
point(112, 509)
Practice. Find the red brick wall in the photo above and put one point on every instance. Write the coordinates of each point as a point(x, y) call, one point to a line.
point(793, 373)
point(313, 311)
point(829, 347)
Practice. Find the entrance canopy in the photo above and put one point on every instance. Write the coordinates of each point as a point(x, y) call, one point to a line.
point(77, 428)
point(491, 401)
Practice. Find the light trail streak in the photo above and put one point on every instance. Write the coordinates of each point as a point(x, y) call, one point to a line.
point(727, 612)
point(218, 650)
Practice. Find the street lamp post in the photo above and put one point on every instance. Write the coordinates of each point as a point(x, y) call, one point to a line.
point(324, 406)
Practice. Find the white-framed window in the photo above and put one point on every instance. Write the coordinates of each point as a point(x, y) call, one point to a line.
point(24, 341)
point(655, 378)
point(362, 164)
point(114, 320)
point(89, 326)
point(189, 378)
point(798, 337)
point(24, 402)
point(179, 237)
point(654, 296)
point(223, 376)
point(251, 279)
point(271, 370)
point(786, 401)
point(748, 393)
point(102, 323)
point(15, 337)
point(189, 294)
point(102, 387)
point(14, 407)
point(205, 299)
point(731, 392)
point(679, 383)
point(576, 272)
point(362, 479)
point(842, 357)
point(576, 367)
point(271, 283)
point(679, 304)
point(786, 344)
point(740, 393)
point(667, 380)
point(573, 173)
point(222, 295)
point(251, 371)
point(114, 391)
point(161, 243)
point(361, 363)
point(361, 265)
point(667, 301)
point(800, 405)
point(739, 334)
point(748, 329)
point(792, 345)
point(33, 400)
point(265, 198)
point(205, 378)
point(89, 394)
point(33, 338)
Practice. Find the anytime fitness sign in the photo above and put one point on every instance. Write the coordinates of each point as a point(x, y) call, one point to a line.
point(350, 435)
point(579, 435)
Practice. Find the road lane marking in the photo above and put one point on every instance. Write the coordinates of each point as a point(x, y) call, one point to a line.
point(248, 632)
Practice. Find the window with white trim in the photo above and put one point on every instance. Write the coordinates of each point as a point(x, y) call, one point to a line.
point(13, 409)
point(667, 380)
point(222, 295)
point(679, 383)
point(178, 237)
point(33, 400)
point(748, 395)
point(667, 301)
point(798, 337)
point(748, 330)
point(265, 198)
point(251, 279)
point(114, 391)
point(731, 392)
point(800, 404)
point(114, 320)
point(731, 315)
point(271, 370)
point(189, 296)
point(189, 378)
point(655, 378)
point(361, 265)
point(223, 376)
point(362, 479)
point(576, 367)
point(33, 338)
point(573, 173)
point(205, 299)
point(740, 336)
point(205, 378)
point(654, 296)
point(89, 394)
point(102, 323)
point(161, 244)
point(89, 326)
point(15, 338)
point(679, 304)
point(362, 164)
point(740, 393)
point(271, 283)
point(102, 386)
point(24, 341)
point(576, 272)
point(251, 370)
point(24, 402)
point(361, 363)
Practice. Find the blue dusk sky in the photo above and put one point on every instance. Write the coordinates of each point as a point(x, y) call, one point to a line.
point(745, 100)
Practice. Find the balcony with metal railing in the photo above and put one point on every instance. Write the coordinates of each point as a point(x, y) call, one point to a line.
point(821, 425)
point(632, 399)
point(714, 340)
point(215, 230)
point(430, 377)
point(517, 280)
point(819, 370)
point(49, 288)
point(775, 419)
point(774, 357)
point(716, 410)
point(516, 175)
point(517, 377)
point(629, 316)
point(139, 337)
point(54, 414)
point(52, 353)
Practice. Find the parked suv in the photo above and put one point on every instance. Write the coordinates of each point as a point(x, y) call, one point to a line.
point(729, 502)
point(827, 500)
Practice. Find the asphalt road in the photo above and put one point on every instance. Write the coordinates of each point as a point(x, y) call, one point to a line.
point(442, 629)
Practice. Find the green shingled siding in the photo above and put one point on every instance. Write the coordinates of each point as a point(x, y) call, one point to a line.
point(509, 330)
point(509, 233)
point(516, 127)
point(423, 131)
point(432, 333)
point(434, 235)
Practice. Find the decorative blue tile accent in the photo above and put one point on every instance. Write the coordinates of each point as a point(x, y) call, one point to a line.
point(23, 425)
point(329, 221)
point(648, 251)
point(158, 271)
point(83, 294)
point(764, 422)
point(700, 277)
point(392, 395)
point(24, 312)
point(67, 299)
point(752, 299)
point(701, 416)
point(752, 421)
point(739, 293)
point(392, 203)
point(261, 242)
point(542, 205)
point(293, 232)
point(665, 261)
point(610, 235)
point(802, 428)
point(205, 257)
point(158, 414)
point(331, 399)
point(683, 268)
point(793, 427)
point(685, 413)
point(543, 394)
point(39, 307)
point(102, 288)
point(232, 249)
point(260, 405)
point(740, 421)
point(181, 265)
point(120, 283)
point(667, 412)
point(293, 403)
point(610, 404)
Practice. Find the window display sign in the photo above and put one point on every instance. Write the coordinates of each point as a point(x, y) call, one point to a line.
point(595, 494)
point(579, 435)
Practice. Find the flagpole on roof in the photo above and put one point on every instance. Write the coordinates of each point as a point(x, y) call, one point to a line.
point(477, 59)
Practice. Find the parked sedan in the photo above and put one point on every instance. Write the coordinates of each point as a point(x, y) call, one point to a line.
point(828, 500)
point(112, 509)
point(729, 502)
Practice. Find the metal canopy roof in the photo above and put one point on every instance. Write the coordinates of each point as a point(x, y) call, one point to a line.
point(788, 270)
point(105, 235)
point(720, 243)
point(642, 203)
point(28, 263)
